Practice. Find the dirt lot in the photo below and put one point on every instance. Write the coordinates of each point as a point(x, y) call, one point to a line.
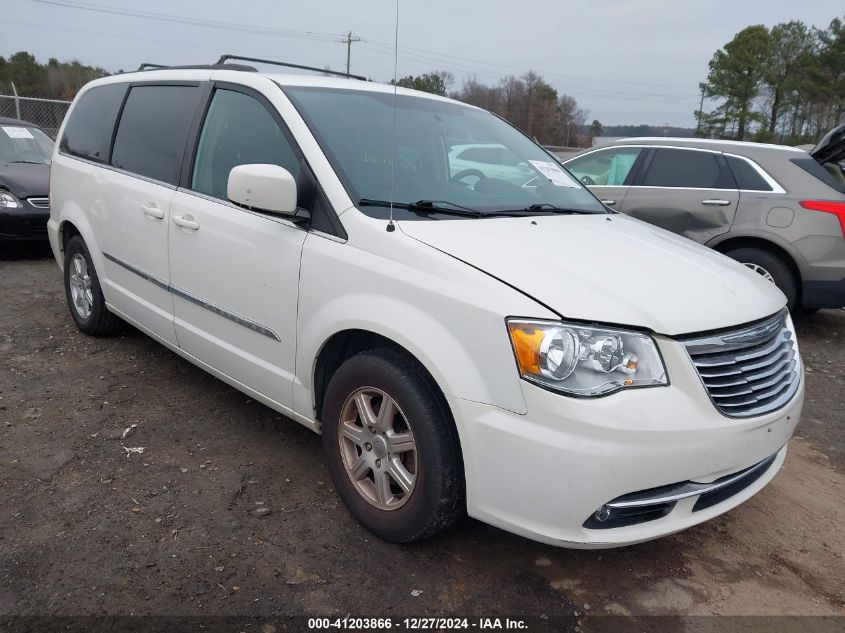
point(89, 528)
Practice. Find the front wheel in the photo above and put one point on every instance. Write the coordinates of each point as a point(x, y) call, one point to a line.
point(770, 267)
point(391, 447)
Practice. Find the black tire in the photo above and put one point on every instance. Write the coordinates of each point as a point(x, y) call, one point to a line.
point(100, 321)
point(780, 271)
point(437, 499)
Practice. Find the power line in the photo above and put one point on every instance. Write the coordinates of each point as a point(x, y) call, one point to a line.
point(601, 93)
point(466, 64)
point(180, 19)
point(459, 63)
point(520, 69)
point(433, 58)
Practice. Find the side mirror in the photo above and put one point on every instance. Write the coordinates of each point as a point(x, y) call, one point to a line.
point(263, 187)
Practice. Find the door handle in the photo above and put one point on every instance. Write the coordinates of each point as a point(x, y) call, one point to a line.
point(151, 210)
point(609, 203)
point(715, 202)
point(187, 223)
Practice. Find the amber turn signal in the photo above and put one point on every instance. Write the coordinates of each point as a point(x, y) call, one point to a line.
point(526, 345)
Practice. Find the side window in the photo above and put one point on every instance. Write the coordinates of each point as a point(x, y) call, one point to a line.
point(153, 129)
point(606, 167)
point(746, 176)
point(89, 129)
point(238, 130)
point(687, 168)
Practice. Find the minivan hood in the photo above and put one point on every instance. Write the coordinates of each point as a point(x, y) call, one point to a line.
point(25, 180)
point(831, 149)
point(609, 269)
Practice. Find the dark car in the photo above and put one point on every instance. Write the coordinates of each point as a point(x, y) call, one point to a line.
point(25, 152)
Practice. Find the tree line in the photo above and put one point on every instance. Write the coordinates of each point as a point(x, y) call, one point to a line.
point(53, 80)
point(784, 84)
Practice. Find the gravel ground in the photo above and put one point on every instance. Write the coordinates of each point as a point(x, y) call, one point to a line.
point(90, 525)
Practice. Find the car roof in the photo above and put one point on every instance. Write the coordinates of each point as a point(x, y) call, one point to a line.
point(719, 145)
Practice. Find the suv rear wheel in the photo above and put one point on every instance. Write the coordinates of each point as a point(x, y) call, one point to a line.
point(772, 268)
point(391, 447)
point(84, 296)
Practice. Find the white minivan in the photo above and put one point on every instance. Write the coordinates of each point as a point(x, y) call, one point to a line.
point(464, 344)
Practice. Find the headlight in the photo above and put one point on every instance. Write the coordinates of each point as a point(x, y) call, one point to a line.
point(585, 361)
point(8, 201)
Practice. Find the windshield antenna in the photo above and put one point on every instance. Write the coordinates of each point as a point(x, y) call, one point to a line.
point(390, 226)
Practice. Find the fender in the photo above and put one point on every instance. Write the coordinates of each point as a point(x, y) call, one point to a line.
point(444, 356)
point(450, 316)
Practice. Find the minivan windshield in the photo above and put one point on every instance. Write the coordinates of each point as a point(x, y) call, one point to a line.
point(448, 156)
point(24, 144)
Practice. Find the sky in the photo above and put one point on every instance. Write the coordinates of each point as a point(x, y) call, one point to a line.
point(625, 61)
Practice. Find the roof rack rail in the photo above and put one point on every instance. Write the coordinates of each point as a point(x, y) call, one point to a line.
point(241, 67)
point(224, 58)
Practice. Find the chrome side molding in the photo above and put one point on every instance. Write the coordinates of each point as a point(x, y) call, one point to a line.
point(211, 307)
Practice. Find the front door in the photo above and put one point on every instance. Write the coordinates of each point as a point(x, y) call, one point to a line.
point(235, 272)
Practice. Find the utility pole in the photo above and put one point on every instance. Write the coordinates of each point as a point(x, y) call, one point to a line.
point(348, 41)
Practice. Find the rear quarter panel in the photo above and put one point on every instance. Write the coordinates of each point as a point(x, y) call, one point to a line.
point(812, 239)
point(70, 198)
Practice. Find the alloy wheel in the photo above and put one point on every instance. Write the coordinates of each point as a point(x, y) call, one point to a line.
point(760, 271)
point(378, 448)
point(80, 286)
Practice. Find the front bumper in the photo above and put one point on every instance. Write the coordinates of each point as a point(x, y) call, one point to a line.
point(545, 473)
point(27, 222)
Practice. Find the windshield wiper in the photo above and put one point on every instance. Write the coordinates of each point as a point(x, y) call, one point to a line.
point(545, 206)
point(425, 206)
point(28, 162)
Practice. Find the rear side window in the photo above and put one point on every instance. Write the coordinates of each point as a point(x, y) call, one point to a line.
point(153, 129)
point(688, 169)
point(238, 130)
point(89, 129)
point(747, 177)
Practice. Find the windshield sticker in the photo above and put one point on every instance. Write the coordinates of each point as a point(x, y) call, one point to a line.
point(554, 173)
point(17, 132)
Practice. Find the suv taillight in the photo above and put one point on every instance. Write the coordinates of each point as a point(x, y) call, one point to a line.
point(828, 206)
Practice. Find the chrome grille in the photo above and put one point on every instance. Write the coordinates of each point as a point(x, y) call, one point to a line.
point(41, 203)
point(750, 370)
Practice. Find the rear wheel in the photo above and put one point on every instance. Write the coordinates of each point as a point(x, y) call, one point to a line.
point(83, 292)
point(391, 447)
point(772, 268)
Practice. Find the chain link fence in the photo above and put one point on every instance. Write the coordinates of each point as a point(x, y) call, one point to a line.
point(47, 114)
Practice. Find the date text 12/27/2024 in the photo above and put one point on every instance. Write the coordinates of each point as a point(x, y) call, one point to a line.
point(417, 624)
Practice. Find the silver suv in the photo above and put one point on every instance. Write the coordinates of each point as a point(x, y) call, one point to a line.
point(777, 209)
